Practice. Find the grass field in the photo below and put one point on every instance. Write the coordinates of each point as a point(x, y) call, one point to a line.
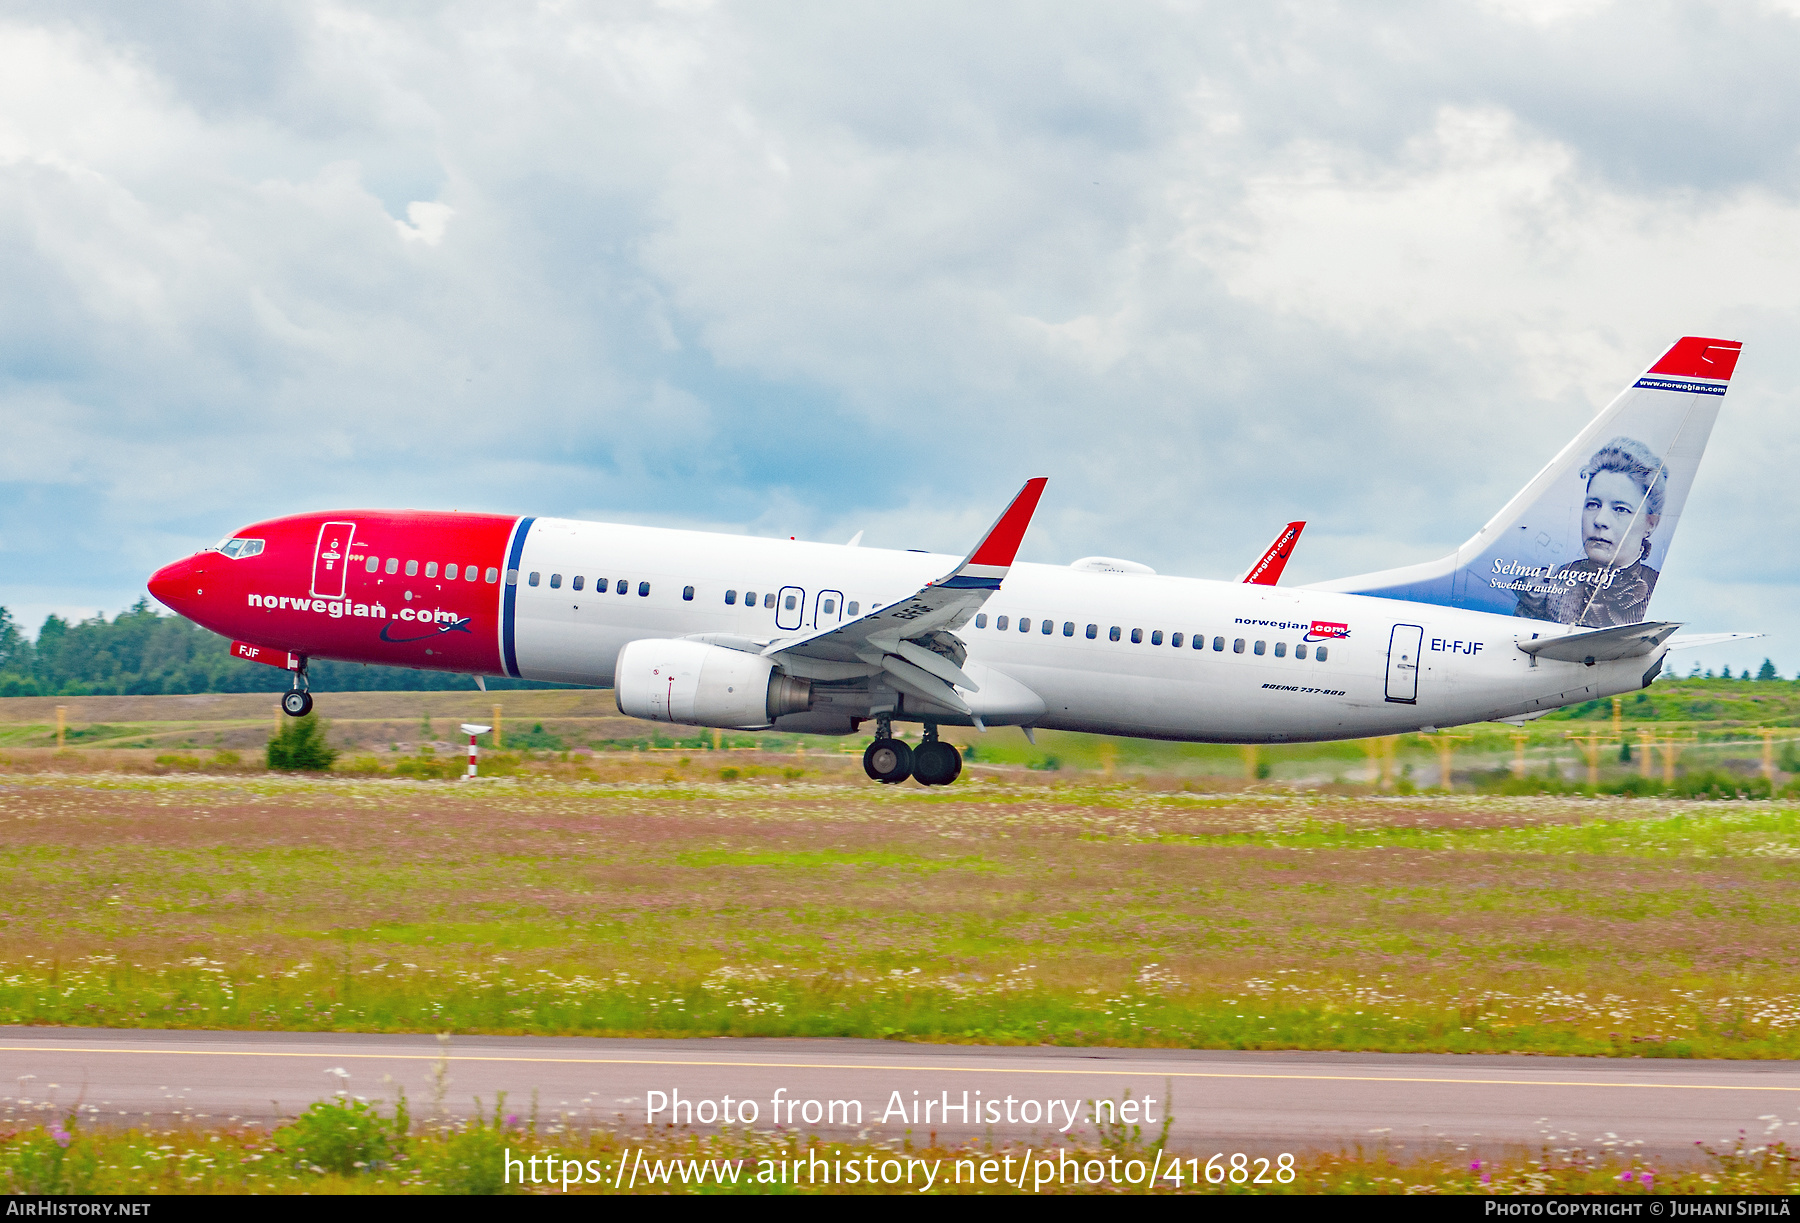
point(1714, 726)
point(1014, 907)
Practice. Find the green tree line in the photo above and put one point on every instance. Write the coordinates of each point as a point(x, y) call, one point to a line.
point(139, 652)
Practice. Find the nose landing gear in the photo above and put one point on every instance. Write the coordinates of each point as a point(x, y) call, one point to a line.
point(890, 761)
point(296, 702)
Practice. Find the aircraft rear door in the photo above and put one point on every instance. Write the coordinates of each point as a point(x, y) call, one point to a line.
point(1403, 663)
point(331, 557)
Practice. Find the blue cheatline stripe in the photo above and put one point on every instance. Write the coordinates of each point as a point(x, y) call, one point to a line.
point(510, 599)
point(963, 582)
point(1676, 384)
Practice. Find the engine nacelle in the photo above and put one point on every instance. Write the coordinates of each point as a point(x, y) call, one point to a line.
point(704, 685)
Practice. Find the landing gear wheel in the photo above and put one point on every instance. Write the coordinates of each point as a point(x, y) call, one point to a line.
point(888, 761)
point(295, 703)
point(936, 763)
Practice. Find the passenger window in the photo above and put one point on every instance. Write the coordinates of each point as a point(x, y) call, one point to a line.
point(412, 569)
point(687, 594)
point(576, 582)
point(1175, 640)
point(831, 607)
point(749, 598)
point(1024, 624)
point(1259, 648)
point(373, 563)
point(1049, 627)
point(1156, 637)
point(768, 600)
point(450, 572)
point(1319, 655)
point(1068, 628)
point(621, 586)
point(1237, 647)
point(555, 581)
point(1137, 636)
point(393, 565)
point(1093, 631)
point(643, 590)
point(981, 620)
point(1300, 651)
point(851, 610)
point(532, 580)
point(512, 576)
point(469, 573)
point(1000, 624)
point(787, 604)
point(1219, 643)
point(430, 569)
point(1112, 634)
point(730, 598)
point(1281, 649)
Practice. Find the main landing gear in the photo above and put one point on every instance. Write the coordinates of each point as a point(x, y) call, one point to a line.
point(890, 761)
point(296, 702)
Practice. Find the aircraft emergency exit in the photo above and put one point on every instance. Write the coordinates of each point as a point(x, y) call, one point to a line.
point(1546, 605)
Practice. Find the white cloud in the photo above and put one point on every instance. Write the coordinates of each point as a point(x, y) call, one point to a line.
point(426, 221)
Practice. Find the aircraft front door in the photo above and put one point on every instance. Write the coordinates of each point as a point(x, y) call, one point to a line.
point(1403, 663)
point(330, 559)
point(790, 608)
point(828, 609)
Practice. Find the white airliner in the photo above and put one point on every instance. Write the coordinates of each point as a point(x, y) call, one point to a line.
point(1545, 606)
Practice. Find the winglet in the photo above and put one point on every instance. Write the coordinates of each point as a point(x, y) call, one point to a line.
point(993, 556)
point(1267, 571)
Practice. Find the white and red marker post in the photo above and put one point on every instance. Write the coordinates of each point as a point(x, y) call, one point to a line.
point(471, 729)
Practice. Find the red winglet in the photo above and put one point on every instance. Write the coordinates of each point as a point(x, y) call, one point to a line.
point(1002, 541)
point(1696, 357)
point(1267, 571)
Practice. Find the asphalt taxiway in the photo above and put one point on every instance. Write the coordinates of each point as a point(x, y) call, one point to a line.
point(1219, 1100)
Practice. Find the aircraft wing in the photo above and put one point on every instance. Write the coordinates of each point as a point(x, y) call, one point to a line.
point(1267, 571)
point(912, 640)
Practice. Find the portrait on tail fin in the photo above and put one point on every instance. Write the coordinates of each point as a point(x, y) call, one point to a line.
point(1611, 585)
point(1585, 541)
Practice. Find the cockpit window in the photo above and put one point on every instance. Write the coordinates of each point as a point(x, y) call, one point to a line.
point(238, 549)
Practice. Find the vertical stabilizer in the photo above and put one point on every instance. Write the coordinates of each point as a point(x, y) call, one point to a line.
point(1585, 541)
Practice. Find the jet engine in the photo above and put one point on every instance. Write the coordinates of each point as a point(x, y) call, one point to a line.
point(704, 685)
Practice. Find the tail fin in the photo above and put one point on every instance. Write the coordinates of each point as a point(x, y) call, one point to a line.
point(1584, 542)
point(1267, 570)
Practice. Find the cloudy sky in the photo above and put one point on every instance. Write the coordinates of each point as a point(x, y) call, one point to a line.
point(814, 268)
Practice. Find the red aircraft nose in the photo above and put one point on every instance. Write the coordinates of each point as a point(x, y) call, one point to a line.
point(176, 586)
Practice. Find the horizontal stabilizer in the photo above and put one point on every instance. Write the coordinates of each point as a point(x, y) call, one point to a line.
point(1602, 645)
point(1687, 641)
